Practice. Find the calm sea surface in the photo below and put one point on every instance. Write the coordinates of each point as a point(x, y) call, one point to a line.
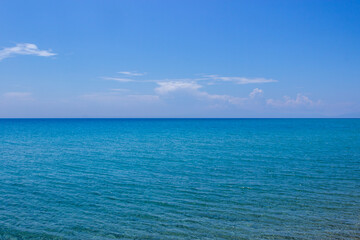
point(180, 179)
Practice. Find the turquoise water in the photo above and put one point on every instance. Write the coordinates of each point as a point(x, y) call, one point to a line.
point(180, 179)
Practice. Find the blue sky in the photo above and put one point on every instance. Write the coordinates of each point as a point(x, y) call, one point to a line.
point(179, 58)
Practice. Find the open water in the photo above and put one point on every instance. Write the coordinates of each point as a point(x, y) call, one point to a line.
point(180, 179)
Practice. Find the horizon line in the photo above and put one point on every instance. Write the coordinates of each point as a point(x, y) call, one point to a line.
point(169, 118)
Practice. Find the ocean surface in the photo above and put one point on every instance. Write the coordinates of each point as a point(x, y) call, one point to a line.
point(180, 179)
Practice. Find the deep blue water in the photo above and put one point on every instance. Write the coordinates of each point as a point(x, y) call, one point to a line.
point(180, 179)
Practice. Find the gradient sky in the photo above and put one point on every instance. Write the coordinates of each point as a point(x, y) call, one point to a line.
point(179, 58)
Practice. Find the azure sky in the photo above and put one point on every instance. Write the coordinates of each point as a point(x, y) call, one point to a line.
point(179, 58)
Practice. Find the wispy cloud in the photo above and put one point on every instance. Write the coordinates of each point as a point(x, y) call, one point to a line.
point(224, 98)
point(300, 100)
point(17, 94)
point(171, 86)
point(133, 74)
point(193, 89)
point(256, 92)
point(16, 97)
point(239, 80)
point(115, 97)
point(120, 90)
point(24, 49)
point(118, 79)
point(167, 85)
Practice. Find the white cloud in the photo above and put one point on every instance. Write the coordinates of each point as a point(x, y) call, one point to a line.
point(193, 89)
point(300, 100)
point(256, 92)
point(224, 98)
point(134, 74)
point(24, 49)
point(166, 87)
point(240, 80)
point(118, 79)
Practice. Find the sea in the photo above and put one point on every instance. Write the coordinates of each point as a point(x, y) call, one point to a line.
point(179, 179)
